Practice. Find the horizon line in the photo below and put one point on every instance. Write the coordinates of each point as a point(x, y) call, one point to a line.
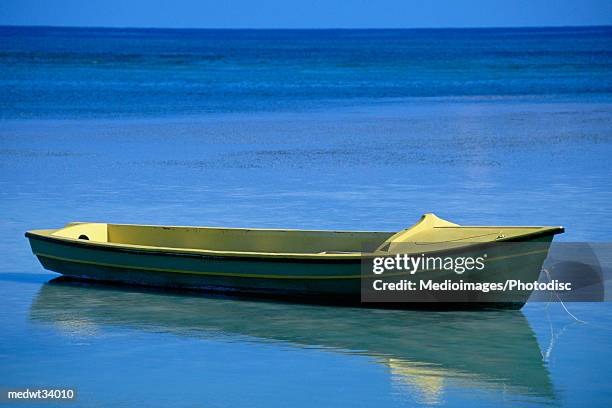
point(302, 28)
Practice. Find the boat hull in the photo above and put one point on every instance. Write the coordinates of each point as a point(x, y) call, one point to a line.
point(329, 280)
point(249, 275)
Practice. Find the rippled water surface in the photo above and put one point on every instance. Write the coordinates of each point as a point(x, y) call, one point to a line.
point(340, 130)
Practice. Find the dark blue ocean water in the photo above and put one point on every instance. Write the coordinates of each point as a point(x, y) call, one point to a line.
point(343, 129)
point(65, 72)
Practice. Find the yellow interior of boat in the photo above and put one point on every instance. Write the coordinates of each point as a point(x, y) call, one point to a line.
point(430, 230)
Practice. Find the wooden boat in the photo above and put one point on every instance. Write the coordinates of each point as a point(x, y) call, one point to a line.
point(294, 263)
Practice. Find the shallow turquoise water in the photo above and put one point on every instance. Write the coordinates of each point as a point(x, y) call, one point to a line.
point(127, 346)
point(375, 151)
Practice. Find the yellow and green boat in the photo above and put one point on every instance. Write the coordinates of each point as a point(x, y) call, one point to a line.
point(302, 264)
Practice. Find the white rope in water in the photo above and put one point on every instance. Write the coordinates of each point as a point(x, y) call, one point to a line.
point(561, 301)
point(554, 337)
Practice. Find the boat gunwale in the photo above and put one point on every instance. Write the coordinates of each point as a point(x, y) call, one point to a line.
point(269, 256)
point(245, 229)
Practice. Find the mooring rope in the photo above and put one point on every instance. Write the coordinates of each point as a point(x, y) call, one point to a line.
point(560, 300)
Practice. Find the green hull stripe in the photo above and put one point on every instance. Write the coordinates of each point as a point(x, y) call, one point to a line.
point(225, 274)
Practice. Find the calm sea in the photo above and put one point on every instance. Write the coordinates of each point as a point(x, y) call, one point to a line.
point(338, 129)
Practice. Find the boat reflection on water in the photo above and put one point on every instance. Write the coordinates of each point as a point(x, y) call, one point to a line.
point(425, 351)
